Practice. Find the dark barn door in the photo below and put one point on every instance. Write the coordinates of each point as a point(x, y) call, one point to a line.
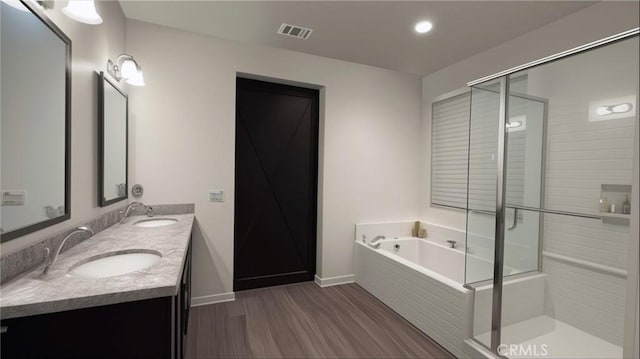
point(275, 184)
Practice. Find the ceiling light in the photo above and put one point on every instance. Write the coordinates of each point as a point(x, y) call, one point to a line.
point(423, 27)
point(83, 11)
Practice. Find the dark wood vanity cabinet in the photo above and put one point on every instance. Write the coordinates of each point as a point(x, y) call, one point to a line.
point(151, 328)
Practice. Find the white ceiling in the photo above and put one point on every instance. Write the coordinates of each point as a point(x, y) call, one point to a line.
point(377, 33)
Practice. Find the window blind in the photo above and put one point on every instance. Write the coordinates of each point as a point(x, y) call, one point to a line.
point(449, 151)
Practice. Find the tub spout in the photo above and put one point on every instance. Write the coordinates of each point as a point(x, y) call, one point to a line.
point(375, 242)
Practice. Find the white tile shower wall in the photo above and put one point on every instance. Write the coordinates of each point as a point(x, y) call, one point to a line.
point(582, 155)
point(588, 300)
point(183, 124)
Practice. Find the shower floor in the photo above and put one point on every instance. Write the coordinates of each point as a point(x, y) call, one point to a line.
point(561, 339)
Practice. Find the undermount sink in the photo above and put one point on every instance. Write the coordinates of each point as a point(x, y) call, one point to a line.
point(115, 263)
point(155, 222)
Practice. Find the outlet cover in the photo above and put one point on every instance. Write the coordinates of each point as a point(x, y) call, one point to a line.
point(216, 196)
point(14, 197)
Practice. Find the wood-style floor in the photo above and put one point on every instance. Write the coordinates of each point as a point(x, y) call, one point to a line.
point(305, 321)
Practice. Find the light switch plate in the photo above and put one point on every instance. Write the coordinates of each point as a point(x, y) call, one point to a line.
point(216, 195)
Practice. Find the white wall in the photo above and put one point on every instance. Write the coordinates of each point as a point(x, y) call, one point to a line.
point(590, 24)
point(91, 46)
point(183, 124)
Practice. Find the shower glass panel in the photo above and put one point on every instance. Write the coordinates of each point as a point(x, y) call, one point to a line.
point(574, 307)
point(524, 177)
point(481, 202)
point(481, 199)
point(525, 146)
point(558, 193)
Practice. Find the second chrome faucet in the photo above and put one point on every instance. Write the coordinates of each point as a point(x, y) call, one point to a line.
point(127, 211)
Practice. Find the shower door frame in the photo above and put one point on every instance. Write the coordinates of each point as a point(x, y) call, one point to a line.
point(503, 77)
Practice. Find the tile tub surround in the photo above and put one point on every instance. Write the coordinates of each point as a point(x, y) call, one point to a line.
point(441, 309)
point(34, 294)
point(25, 260)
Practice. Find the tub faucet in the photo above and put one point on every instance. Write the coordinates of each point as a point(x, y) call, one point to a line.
point(50, 262)
point(375, 242)
point(452, 244)
point(129, 209)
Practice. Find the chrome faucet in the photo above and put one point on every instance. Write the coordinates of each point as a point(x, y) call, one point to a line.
point(129, 209)
point(50, 262)
point(375, 242)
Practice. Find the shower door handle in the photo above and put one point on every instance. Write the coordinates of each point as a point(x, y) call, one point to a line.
point(515, 220)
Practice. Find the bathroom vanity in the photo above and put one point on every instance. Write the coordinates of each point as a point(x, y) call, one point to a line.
point(141, 314)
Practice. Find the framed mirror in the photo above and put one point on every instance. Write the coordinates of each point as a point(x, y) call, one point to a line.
point(113, 144)
point(35, 126)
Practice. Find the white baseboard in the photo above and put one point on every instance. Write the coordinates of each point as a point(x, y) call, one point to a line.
point(213, 299)
point(328, 282)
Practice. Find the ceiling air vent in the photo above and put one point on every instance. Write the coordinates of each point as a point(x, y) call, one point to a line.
point(294, 31)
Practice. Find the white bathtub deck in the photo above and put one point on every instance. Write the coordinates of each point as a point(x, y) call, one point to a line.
point(562, 340)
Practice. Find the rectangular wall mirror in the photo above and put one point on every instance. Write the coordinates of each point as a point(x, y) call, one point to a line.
point(35, 121)
point(113, 142)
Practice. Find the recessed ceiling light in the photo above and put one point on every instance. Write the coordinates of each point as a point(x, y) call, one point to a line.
point(423, 27)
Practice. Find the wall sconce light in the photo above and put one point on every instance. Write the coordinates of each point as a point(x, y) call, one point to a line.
point(126, 67)
point(83, 11)
point(517, 123)
point(613, 108)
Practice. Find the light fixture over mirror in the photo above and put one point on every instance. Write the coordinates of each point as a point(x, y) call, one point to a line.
point(83, 11)
point(126, 67)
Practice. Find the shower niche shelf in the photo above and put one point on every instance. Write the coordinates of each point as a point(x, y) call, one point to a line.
point(615, 194)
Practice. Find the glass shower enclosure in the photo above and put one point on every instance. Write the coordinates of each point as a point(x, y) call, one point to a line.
point(549, 179)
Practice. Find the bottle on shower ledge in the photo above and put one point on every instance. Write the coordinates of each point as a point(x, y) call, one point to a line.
point(604, 204)
point(626, 206)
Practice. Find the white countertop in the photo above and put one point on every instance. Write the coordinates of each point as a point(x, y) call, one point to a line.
point(33, 293)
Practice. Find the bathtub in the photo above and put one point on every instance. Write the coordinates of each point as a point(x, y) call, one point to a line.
point(422, 281)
